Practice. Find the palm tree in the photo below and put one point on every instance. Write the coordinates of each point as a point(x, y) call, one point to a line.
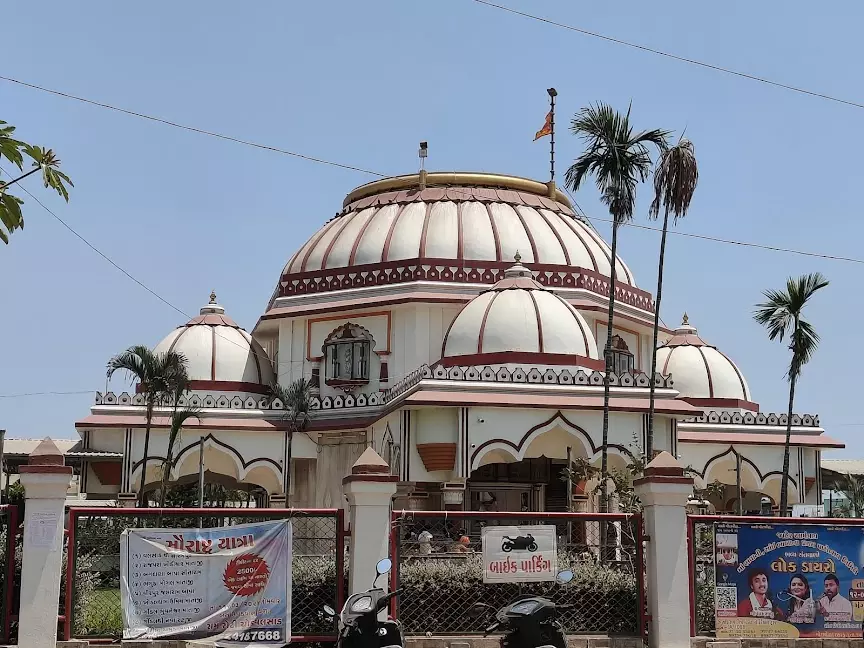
point(781, 315)
point(618, 159)
point(675, 181)
point(297, 401)
point(852, 486)
point(158, 375)
point(178, 419)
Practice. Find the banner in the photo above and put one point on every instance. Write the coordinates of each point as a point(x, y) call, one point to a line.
point(788, 580)
point(232, 584)
point(519, 554)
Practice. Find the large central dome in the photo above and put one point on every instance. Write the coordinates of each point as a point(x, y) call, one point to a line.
point(454, 227)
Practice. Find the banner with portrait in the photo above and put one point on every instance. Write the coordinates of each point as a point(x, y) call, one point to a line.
point(788, 580)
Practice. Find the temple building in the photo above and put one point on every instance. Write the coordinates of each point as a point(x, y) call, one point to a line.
point(455, 322)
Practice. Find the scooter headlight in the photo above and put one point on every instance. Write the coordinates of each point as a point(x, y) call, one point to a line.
point(362, 604)
point(525, 608)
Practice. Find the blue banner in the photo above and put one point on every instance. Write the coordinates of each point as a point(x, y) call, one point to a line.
point(788, 580)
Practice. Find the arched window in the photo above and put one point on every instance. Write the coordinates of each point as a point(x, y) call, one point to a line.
point(622, 359)
point(347, 353)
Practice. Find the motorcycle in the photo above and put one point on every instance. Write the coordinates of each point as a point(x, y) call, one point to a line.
point(359, 626)
point(519, 543)
point(531, 621)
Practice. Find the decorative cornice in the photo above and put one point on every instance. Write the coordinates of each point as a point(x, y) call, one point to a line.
point(458, 272)
point(534, 375)
point(754, 418)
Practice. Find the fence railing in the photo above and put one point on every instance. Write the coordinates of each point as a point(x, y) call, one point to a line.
point(701, 550)
point(443, 582)
point(92, 593)
point(8, 543)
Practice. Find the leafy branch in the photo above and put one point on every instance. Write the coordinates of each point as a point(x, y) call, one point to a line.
point(43, 160)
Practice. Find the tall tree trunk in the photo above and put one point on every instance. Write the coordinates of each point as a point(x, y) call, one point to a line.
point(649, 441)
point(142, 497)
point(201, 473)
point(607, 353)
point(784, 488)
point(289, 441)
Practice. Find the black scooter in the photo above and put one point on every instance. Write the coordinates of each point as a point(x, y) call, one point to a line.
point(519, 543)
point(531, 621)
point(359, 626)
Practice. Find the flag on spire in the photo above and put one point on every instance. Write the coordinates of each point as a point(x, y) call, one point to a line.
point(547, 128)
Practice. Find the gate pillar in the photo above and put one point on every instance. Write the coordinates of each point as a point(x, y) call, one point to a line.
point(664, 491)
point(370, 489)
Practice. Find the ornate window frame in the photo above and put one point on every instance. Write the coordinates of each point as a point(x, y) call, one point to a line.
point(348, 356)
point(622, 358)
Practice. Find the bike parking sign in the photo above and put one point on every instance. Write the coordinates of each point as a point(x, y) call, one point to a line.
point(519, 554)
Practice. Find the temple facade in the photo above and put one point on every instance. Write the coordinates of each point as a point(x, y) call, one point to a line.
point(455, 322)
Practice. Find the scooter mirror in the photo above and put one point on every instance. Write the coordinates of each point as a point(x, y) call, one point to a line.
point(564, 576)
point(329, 611)
point(383, 566)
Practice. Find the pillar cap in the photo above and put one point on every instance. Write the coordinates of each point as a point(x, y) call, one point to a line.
point(370, 463)
point(664, 468)
point(46, 458)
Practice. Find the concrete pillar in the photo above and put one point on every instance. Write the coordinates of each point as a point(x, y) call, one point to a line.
point(664, 491)
point(370, 489)
point(46, 480)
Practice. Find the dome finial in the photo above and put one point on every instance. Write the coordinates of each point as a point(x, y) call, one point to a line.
point(685, 321)
point(517, 257)
point(213, 297)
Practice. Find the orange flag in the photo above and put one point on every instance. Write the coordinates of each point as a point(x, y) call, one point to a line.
point(547, 128)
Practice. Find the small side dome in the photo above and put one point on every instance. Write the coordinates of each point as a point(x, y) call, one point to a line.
point(520, 321)
point(221, 356)
point(698, 369)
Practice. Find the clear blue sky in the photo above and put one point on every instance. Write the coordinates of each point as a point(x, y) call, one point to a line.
point(362, 83)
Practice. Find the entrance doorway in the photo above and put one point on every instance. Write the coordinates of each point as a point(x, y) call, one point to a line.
point(530, 485)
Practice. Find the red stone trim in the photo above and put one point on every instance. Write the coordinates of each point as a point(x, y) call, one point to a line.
point(42, 469)
point(426, 217)
point(437, 456)
point(707, 373)
point(454, 271)
point(370, 478)
point(213, 353)
point(385, 252)
point(723, 403)
point(460, 245)
point(495, 232)
point(483, 323)
point(523, 357)
point(229, 386)
point(527, 231)
point(540, 323)
point(318, 237)
point(360, 235)
point(333, 241)
point(557, 236)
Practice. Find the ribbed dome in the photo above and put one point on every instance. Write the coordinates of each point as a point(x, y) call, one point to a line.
point(518, 320)
point(698, 369)
point(474, 218)
point(221, 355)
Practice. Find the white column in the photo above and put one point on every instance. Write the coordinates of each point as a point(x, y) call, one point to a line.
point(370, 489)
point(664, 491)
point(46, 481)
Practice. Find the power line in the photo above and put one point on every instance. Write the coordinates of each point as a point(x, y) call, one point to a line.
point(683, 59)
point(318, 160)
point(193, 129)
point(48, 393)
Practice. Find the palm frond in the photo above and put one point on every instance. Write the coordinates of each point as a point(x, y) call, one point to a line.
point(675, 180)
point(10, 214)
point(781, 315)
point(297, 400)
point(10, 148)
point(616, 157)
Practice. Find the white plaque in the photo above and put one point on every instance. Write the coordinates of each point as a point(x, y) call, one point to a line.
point(42, 529)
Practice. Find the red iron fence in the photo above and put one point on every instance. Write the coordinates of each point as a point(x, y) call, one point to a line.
point(92, 607)
point(443, 582)
point(8, 547)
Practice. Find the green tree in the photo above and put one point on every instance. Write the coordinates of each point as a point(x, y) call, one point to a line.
point(781, 315)
point(297, 400)
point(618, 159)
point(852, 486)
point(44, 161)
point(675, 181)
point(158, 375)
point(178, 419)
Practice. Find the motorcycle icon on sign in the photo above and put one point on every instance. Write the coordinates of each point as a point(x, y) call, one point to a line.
point(519, 543)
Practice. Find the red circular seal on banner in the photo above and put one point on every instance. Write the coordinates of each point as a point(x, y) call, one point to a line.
point(246, 575)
